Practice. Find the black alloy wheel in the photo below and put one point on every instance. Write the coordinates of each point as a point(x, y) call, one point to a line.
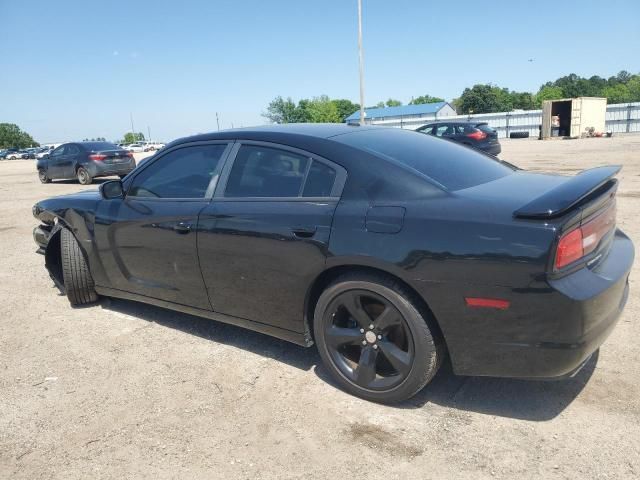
point(368, 340)
point(374, 339)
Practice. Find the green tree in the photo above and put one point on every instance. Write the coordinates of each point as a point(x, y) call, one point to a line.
point(131, 137)
point(548, 92)
point(281, 111)
point(425, 99)
point(12, 137)
point(393, 103)
point(485, 99)
point(322, 110)
point(345, 108)
point(618, 93)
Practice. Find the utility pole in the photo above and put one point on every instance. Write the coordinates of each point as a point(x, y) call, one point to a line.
point(133, 131)
point(148, 133)
point(362, 119)
point(218, 121)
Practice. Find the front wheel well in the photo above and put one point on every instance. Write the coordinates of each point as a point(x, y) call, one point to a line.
point(53, 259)
point(329, 275)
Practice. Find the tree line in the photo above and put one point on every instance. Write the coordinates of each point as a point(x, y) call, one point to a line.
point(12, 137)
point(481, 98)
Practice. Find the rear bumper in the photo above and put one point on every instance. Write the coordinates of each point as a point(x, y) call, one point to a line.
point(102, 169)
point(492, 149)
point(550, 329)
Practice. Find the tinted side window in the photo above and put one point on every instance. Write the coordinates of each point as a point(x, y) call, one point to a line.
point(266, 172)
point(319, 180)
point(58, 151)
point(71, 150)
point(182, 173)
point(452, 166)
point(443, 131)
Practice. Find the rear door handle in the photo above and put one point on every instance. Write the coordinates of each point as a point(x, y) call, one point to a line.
point(304, 232)
point(182, 228)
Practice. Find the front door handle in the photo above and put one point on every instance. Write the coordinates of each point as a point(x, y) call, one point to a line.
point(182, 228)
point(304, 232)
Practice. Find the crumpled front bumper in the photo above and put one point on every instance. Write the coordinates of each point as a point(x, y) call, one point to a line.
point(41, 235)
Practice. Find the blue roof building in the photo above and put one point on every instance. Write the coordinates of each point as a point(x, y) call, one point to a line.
point(393, 115)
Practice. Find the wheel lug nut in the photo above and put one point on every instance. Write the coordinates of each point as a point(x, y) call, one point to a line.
point(379, 337)
point(371, 327)
point(375, 347)
point(364, 342)
point(362, 330)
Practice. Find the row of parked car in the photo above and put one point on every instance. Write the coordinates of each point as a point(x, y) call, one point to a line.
point(142, 146)
point(25, 153)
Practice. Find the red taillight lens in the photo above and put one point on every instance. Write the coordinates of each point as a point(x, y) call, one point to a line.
point(97, 156)
point(130, 154)
point(586, 238)
point(477, 135)
point(569, 248)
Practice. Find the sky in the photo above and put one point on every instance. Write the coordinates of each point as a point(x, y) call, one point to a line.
point(73, 69)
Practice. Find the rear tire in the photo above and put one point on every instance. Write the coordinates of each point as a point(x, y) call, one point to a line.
point(42, 175)
point(78, 283)
point(83, 176)
point(374, 338)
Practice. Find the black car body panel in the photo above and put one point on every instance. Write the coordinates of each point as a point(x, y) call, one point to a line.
point(258, 262)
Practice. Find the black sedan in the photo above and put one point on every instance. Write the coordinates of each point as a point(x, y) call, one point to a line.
point(387, 249)
point(85, 161)
point(478, 135)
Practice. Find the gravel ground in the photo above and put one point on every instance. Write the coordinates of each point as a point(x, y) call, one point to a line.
point(124, 390)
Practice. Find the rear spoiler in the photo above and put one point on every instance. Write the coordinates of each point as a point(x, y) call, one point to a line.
point(569, 194)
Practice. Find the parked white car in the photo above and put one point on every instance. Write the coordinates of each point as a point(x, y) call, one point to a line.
point(153, 146)
point(135, 148)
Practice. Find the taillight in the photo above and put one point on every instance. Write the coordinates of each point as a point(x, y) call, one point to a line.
point(97, 156)
point(477, 135)
point(586, 238)
point(130, 154)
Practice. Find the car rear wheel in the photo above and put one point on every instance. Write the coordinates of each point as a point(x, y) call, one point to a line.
point(83, 176)
point(374, 339)
point(42, 175)
point(78, 282)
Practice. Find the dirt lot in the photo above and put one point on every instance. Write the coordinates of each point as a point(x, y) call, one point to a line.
point(124, 390)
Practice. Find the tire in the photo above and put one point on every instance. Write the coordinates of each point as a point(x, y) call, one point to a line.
point(42, 175)
point(83, 176)
point(395, 357)
point(78, 282)
point(519, 135)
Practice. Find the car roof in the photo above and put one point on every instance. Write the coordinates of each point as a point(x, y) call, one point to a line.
point(278, 131)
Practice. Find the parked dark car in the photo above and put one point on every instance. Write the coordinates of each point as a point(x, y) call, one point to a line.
point(85, 161)
point(478, 135)
point(386, 248)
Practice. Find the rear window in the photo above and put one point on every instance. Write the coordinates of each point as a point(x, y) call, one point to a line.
point(97, 146)
point(485, 128)
point(452, 166)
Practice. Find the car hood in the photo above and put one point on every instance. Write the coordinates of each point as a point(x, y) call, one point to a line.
point(65, 207)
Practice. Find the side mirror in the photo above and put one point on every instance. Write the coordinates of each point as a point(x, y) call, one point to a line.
point(112, 189)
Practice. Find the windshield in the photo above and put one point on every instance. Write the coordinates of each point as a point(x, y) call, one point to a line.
point(453, 166)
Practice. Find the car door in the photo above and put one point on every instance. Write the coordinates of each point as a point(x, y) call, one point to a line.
point(69, 160)
point(265, 235)
point(148, 238)
point(54, 163)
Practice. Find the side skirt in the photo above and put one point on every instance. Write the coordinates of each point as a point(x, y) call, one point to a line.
point(281, 333)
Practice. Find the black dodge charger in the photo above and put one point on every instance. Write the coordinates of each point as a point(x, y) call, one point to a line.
point(387, 249)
